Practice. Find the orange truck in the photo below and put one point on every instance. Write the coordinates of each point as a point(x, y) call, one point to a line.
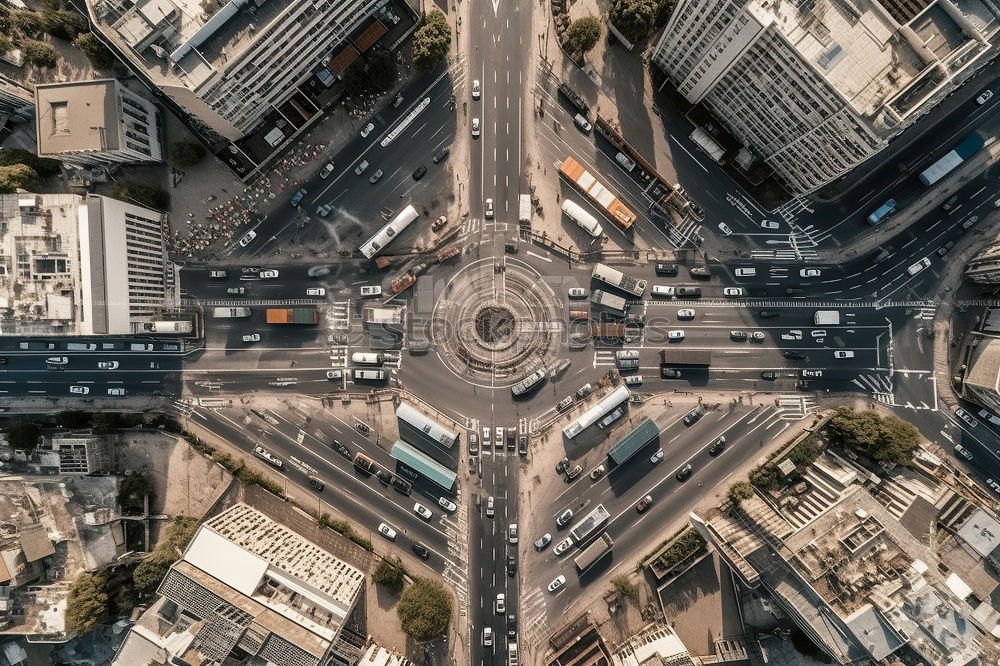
point(292, 316)
point(597, 193)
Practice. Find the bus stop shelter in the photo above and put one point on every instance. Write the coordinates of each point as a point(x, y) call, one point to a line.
point(423, 464)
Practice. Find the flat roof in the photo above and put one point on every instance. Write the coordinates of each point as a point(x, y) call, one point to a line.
point(77, 116)
point(424, 464)
point(426, 426)
point(640, 436)
point(592, 415)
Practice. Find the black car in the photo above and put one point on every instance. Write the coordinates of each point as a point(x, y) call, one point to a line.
point(692, 417)
point(943, 250)
point(440, 155)
point(717, 446)
point(738, 335)
point(512, 624)
point(384, 475)
point(670, 373)
point(419, 173)
point(3, 360)
point(511, 440)
point(950, 203)
point(797, 355)
point(401, 485)
point(794, 291)
point(666, 269)
point(341, 449)
point(769, 375)
point(511, 565)
point(522, 445)
point(562, 465)
point(767, 314)
point(421, 551)
point(684, 473)
point(316, 484)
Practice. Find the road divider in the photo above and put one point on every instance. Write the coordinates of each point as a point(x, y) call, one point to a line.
point(405, 122)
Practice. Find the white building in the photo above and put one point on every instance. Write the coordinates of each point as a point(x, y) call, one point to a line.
point(96, 123)
point(815, 87)
point(230, 67)
point(248, 590)
point(71, 265)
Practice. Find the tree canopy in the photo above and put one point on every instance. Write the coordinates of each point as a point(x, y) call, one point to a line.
point(431, 42)
point(148, 573)
point(17, 176)
point(424, 609)
point(634, 18)
point(99, 55)
point(583, 34)
point(40, 54)
point(881, 438)
point(87, 604)
point(187, 154)
point(390, 575)
point(24, 436)
point(141, 194)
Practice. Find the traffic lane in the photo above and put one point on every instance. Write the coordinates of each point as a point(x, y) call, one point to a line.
point(138, 384)
point(490, 577)
point(979, 440)
point(333, 469)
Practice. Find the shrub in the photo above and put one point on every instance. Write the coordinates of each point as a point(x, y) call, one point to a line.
point(635, 19)
point(17, 176)
point(148, 573)
point(881, 438)
point(805, 452)
point(583, 34)
point(43, 166)
point(5, 44)
point(765, 477)
point(87, 604)
point(99, 55)
point(431, 42)
point(626, 588)
point(40, 54)
point(5, 21)
point(24, 436)
point(424, 610)
point(131, 492)
point(686, 545)
point(187, 154)
point(63, 24)
point(739, 491)
point(26, 22)
point(141, 194)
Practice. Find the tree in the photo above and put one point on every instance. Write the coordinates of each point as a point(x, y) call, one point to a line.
point(73, 419)
point(27, 22)
point(390, 575)
point(99, 55)
point(740, 491)
point(148, 573)
point(881, 438)
point(634, 18)
point(187, 154)
point(140, 193)
point(5, 44)
point(24, 436)
point(583, 34)
point(5, 21)
point(382, 72)
point(424, 609)
point(87, 605)
point(40, 54)
point(17, 176)
point(626, 588)
point(63, 24)
point(431, 42)
point(43, 166)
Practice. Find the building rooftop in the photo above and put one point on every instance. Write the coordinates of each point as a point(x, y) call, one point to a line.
point(77, 116)
point(981, 532)
point(984, 366)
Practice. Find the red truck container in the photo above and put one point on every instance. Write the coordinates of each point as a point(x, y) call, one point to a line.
point(292, 316)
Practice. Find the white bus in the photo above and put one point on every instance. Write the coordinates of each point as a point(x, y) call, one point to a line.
point(266, 455)
point(619, 280)
point(367, 358)
point(389, 232)
point(583, 219)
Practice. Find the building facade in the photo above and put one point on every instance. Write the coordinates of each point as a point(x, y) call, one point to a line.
point(71, 265)
point(231, 68)
point(984, 266)
point(815, 88)
point(96, 123)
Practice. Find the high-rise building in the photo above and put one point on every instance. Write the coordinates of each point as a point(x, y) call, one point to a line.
point(82, 266)
point(248, 590)
point(96, 123)
point(815, 87)
point(231, 66)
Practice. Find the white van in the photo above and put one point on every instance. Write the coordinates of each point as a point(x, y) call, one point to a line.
point(230, 313)
point(81, 346)
point(919, 266)
point(369, 375)
point(746, 272)
point(582, 123)
point(367, 358)
point(661, 291)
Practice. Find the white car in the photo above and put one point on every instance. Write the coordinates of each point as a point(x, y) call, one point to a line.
point(967, 417)
point(993, 485)
point(733, 291)
point(387, 531)
point(843, 354)
point(964, 452)
point(662, 291)
point(269, 275)
point(371, 291)
point(475, 127)
point(686, 313)
point(675, 335)
point(625, 161)
point(557, 583)
point(107, 365)
point(724, 229)
point(757, 335)
point(422, 511)
point(657, 457)
point(488, 209)
point(576, 292)
point(253, 337)
point(248, 238)
point(487, 636)
point(919, 266)
point(769, 224)
point(985, 97)
point(500, 605)
point(447, 505)
point(334, 374)
point(79, 390)
point(367, 130)
point(327, 170)
point(57, 360)
point(316, 291)
point(116, 391)
point(563, 546)
point(360, 169)
point(809, 272)
point(476, 90)
point(512, 533)
point(632, 380)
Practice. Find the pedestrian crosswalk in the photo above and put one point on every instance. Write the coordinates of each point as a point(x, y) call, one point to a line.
point(685, 234)
point(785, 254)
point(793, 407)
point(338, 356)
point(339, 314)
point(925, 313)
point(790, 209)
point(534, 627)
point(456, 561)
point(470, 226)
